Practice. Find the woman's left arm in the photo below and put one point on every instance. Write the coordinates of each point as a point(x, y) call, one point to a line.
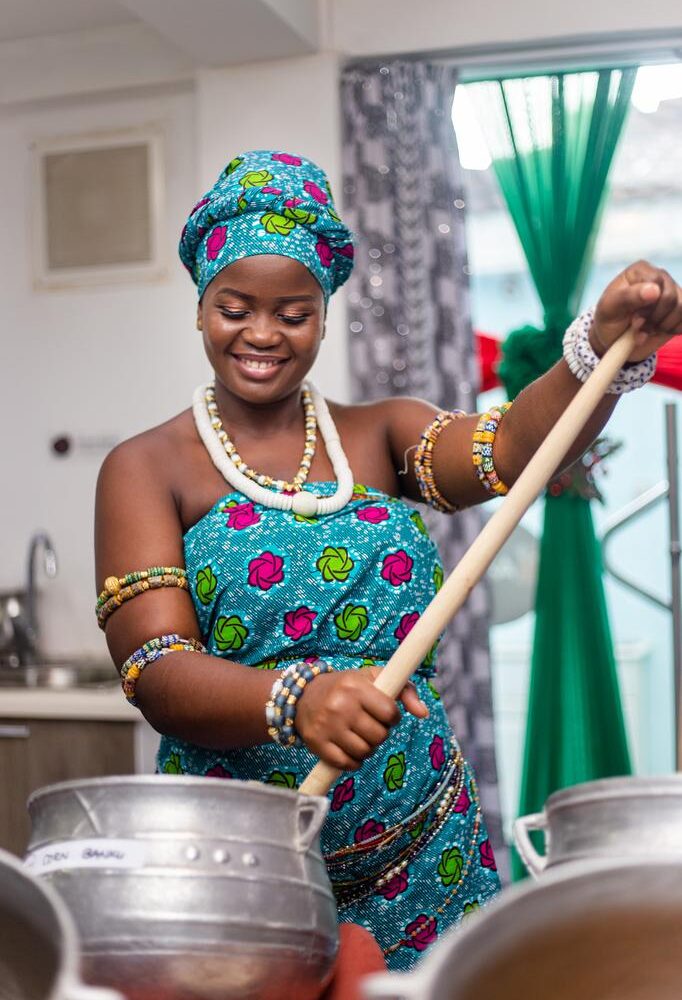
point(642, 296)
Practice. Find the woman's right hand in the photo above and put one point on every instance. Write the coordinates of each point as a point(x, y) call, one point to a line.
point(342, 717)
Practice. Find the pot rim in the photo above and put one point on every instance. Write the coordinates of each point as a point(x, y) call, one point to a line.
point(624, 787)
point(464, 939)
point(166, 780)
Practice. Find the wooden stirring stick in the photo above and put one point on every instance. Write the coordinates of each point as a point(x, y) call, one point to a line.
point(495, 533)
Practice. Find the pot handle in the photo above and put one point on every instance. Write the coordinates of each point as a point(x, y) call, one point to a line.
point(310, 815)
point(393, 986)
point(77, 991)
point(534, 862)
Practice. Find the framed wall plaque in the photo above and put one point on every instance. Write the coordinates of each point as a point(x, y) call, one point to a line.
point(98, 208)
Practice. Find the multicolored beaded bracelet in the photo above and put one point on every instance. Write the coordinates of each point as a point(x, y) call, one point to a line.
point(280, 709)
point(482, 454)
point(148, 653)
point(113, 584)
point(423, 462)
point(154, 578)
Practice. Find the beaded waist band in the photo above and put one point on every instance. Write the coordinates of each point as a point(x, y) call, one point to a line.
point(361, 869)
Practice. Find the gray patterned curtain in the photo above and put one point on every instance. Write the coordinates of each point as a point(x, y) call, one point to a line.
point(410, 329)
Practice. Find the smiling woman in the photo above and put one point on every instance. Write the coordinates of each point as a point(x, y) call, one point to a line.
point(272, 584)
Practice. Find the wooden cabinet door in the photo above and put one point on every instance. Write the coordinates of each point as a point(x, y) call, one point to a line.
point(38, 752)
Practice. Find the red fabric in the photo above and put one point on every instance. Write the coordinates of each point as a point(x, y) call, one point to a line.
point(359, 955)
point(489, 352)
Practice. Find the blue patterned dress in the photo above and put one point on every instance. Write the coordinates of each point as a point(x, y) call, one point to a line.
point(405, 844)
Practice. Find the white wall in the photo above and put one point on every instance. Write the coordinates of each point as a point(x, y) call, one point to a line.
point(89, 362)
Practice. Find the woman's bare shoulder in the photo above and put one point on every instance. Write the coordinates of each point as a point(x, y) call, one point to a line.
point(151, 454)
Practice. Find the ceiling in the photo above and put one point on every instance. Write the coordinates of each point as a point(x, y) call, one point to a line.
point(208, 32)
point(21, 19)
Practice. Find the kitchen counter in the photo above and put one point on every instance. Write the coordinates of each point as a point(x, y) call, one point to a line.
point(94, 704)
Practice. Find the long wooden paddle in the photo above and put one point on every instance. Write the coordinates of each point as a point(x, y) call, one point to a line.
point(483, 550)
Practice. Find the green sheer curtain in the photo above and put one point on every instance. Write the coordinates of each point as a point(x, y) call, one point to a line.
point(552, 140)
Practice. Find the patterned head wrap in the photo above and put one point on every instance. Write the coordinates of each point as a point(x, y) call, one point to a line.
point(266, 202)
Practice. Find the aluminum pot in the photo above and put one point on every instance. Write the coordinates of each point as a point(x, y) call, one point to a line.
point(189, 888)
point(39, 955)
point(609, 819)
point(589, 931)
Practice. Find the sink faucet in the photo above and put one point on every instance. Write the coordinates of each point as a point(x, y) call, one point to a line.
point(25, 621)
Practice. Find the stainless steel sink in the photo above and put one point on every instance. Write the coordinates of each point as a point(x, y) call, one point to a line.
point(60, 675)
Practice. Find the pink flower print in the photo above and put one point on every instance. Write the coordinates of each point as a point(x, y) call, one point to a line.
point(373, 515)
point(315, 192)
point(463, 802)
point(291, 161)
point(201, 231)
point(266, 570)
point(215, 242)
point(293, 202)
point(299, 622)
point(407, 623)
point(344, 792)
point(370, 829)
point(217, 772)
point(394, 886)
point(200, 204)
point(242, 515)
point(421, 932)
point(347, 250)
point(397, 568)
point(437, 753)
point(487, 856)
point(324, 252)
point(271, 190)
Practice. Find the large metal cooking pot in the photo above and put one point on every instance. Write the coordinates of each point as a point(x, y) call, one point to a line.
point(588, 931)
point(608, 819)
point(190, 888)
point(39, 955)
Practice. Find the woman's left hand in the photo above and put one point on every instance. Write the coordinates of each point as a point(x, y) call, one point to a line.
point(642, 296)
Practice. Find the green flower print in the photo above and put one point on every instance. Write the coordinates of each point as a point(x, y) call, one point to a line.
point(304, 519)
point(233, 164)
point(285, 779)
point(394, 775)
point(267, 664)
point(242, 204)
point(433, 690)
point(300, 216)
point(470, 908)
point(332, 214)
point(359, 488)
point(450, 865)
point(416, 831)
point(278, 224)
point(256, 178)
point(230, 632)
point(430, 656)
point(418, 522)
point(173, 765)
point(351, 622)
point(437, 576)
point(368, 661)
point(335, 564)
point(206, 583)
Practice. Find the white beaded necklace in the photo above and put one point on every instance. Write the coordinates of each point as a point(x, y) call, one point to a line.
point(303, 503)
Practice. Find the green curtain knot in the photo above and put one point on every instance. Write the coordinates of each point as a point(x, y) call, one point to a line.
point(527, 353)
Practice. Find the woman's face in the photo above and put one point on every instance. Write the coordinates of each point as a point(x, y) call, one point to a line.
point(263, 321)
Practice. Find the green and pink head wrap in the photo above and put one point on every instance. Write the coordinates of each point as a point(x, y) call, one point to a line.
point(265, 202)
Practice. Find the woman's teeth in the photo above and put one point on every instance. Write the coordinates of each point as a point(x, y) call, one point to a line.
point(259, 364)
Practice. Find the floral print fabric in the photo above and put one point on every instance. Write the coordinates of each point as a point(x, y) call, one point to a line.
point(405, 844)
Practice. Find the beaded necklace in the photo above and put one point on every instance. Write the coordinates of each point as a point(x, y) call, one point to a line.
point(301, 502)
point(308, 451)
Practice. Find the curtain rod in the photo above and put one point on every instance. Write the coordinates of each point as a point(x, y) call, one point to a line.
point(509, 58)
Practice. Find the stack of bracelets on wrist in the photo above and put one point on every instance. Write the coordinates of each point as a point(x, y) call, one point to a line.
point(582, 360)
point(482, 451)
point(148, 653)
point(280, 709)
point(118, 590)
point(423, 462)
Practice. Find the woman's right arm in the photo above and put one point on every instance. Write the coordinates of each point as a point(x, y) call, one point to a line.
point(203, 699)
